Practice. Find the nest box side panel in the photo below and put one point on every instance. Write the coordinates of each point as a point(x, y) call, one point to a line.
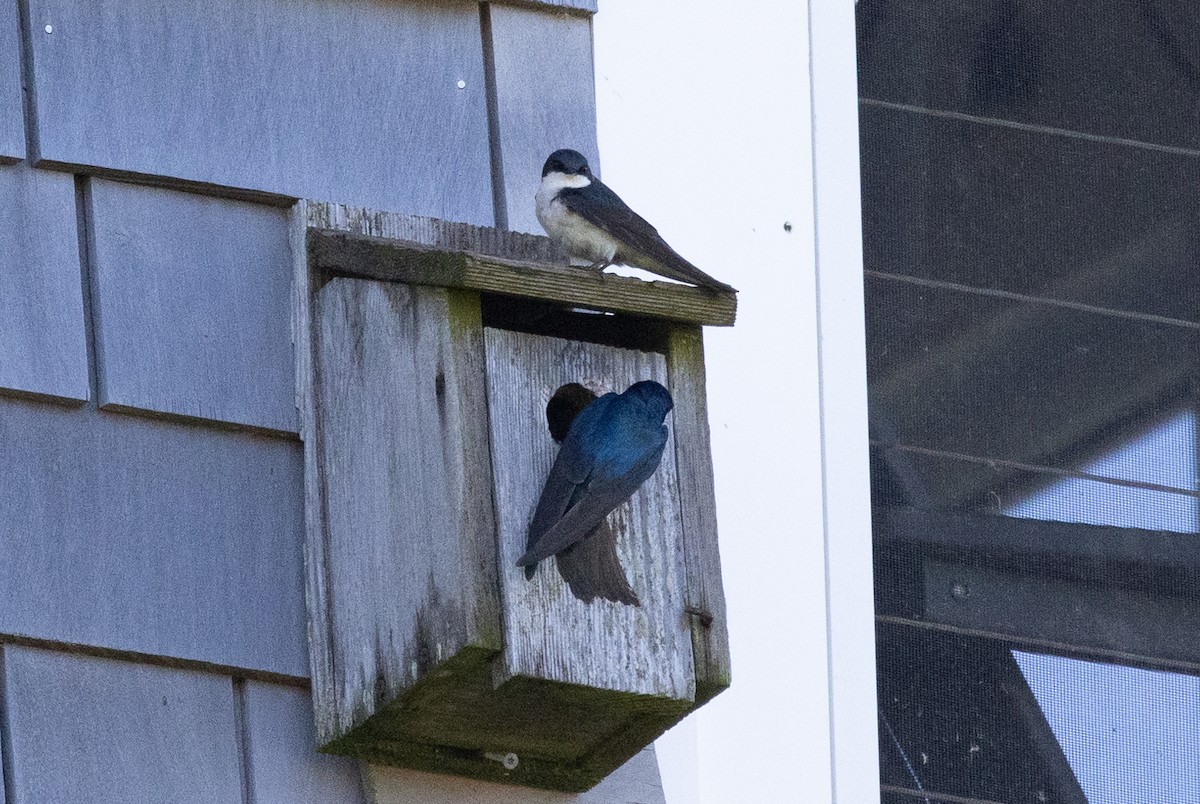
point(548, 633)
point(402, 560)
point(705, 596)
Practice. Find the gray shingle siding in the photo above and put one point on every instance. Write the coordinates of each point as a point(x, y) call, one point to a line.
point(12, 128)
point(279, 745)
point(151, 536)
point(544, 92)
point(85, 730)
point(41, 303)
point(355, 101)
point(152, 621)
point(90, 730)
point(190, 300)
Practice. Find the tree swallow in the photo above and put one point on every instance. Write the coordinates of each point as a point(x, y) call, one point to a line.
point(590, 566)
point(610, 449)
point(591, 222)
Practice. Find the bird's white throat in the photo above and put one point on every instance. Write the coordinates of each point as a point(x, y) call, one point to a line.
point(580, 239)
point(555, 181)
point(552, 183)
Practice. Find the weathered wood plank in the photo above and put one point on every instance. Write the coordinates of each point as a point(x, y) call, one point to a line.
point(394, 261)
point(591, 685)
point(704, 598)
point(636, 781)
point(405, 528)
point(151, 536)
point(432, 232)
point(285, 767)
point(583, 6)
point(357, 100)
point(12, 115)
point(545, 98)
point(94, 731)
point(570, 714)
point(549, 634)
point(41, 297)
point(192, 300)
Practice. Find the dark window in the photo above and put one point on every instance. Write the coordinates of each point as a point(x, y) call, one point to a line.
point(1031, 225)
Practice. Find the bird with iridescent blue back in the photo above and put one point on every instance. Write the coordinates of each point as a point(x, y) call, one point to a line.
point(591, 566)
point(612, 447)
point(591, 223)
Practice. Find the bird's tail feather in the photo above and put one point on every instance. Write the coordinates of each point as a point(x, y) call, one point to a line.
point(591, 568)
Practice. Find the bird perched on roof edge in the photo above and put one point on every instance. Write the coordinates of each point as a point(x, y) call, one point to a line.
point(591, 222)
point(613, 446)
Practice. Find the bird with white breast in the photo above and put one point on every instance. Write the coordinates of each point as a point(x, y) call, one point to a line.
point(591, 223)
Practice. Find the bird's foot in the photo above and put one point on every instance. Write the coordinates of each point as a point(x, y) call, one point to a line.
point(598, 265)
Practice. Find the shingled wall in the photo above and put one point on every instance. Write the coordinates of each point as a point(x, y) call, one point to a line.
point(152, 622)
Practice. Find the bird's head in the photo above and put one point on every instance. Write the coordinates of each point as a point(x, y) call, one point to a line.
point(652, 396)
point(568, 163)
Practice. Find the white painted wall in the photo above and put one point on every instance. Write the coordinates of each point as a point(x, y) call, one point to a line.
point(705, 128)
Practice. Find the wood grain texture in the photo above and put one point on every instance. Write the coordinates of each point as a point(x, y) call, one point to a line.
point(150, 536)
point(637, 781)
point(12, 113)
point(94, 731)
point(355, 100)
point(394, 261)
point(406, 529)
point(704, 597)
point(545, 98)
point(548, 633)
point(395, 679)
point(432, 232)
point(584, 6)
point(192, 306)
point(591, 685)
point(285, 767)
point(41, 297)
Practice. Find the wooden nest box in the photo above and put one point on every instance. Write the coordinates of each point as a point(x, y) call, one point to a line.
point(424, 374)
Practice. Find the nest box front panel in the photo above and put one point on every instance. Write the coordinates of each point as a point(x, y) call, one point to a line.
point(427, 449)
point(400, 572)
point(548, 633)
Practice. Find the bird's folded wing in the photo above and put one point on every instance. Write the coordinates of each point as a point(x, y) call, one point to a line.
point(556, 497)
point(603, 208)
point(641, 242)
point(597, 501)
point(570, 472)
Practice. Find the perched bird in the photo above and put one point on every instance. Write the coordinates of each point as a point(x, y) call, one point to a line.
point(590, 567)
point(591, 222)
point(610, 449)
